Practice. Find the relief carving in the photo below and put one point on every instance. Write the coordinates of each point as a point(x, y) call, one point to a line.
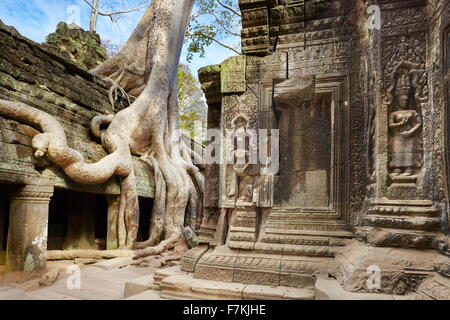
point(241, 166)
point(405, 125)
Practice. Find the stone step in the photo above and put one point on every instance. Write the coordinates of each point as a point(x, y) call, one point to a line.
point(404, 211)
point(402, 222)
point(414, 203)
point(182, 287)
point(307, 232)
point(139, 285)
point(161, 274)
point(308, 250)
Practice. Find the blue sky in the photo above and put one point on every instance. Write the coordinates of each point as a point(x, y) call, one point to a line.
point(37, 18)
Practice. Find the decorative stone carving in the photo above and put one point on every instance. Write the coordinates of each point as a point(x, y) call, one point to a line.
point(242, 166)
point(232, 75)
point(361, 124)
point(405, 126)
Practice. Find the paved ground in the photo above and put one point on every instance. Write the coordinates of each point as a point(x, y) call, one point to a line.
point(96, 284)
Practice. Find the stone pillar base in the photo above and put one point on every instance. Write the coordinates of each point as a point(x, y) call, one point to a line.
point(250, 267)
point(27, 236)
point(400, 223)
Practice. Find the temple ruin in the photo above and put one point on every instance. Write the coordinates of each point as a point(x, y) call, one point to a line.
point(362, 116)
point(361, 111)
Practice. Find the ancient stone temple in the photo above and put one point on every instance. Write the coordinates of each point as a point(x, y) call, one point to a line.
point(41, 209)
point(357, 94)
point(347, 104)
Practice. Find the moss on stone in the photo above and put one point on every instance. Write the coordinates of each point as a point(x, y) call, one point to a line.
point(82, 47)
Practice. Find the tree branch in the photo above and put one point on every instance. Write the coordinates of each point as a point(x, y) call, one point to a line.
point(110, 14)
point(222, 24)
point(213, 39)
point(229, 8)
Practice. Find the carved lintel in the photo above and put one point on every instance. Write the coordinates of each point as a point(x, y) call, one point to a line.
point(32, 192)
point(294, 90)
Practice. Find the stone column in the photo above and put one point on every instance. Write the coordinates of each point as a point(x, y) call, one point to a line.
point(112, 242)
point(27, 236)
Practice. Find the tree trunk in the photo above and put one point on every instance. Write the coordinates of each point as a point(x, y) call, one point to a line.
point(94, 16)
point(149, 128)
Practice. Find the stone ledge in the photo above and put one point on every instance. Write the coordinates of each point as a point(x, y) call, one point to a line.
point(160, 275)
point(182, 287)
point(139, 285)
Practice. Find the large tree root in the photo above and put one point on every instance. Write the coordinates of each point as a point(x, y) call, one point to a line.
point(53, 143)
point(149, 128)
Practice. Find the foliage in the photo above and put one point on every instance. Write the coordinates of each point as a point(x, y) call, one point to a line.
point(212, 21)
point(191, 101)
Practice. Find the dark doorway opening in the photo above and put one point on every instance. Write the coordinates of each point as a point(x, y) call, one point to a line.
point(57, 219)
point(145, 210)
point(101, 220)
point(77, 220)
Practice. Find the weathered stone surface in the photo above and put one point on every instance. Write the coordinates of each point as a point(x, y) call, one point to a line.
point(82, 47)
point(232, 75)
point(331, 290)
point(43, 78)
point(400, 270)
point(85, 261)
point(27, 235)
point(185, 287)
point(361, 135)
point(115, 263)
point(190, 258)
point(146, 295)
point(435, 288)
point(161, 274)
point(49, 278)
point(139, 285)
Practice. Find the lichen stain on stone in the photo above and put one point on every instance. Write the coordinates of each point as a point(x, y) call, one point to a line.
point(29, 263)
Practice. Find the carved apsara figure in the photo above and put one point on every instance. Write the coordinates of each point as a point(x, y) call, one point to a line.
point(240, 169)
point(405, 143)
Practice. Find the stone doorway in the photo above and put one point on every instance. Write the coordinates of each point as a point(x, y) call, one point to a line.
point(77, 220)
point(145, 210)
point(310, 193)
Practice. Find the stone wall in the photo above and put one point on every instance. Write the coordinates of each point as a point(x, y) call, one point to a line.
point(81, 47)
point(363, 125)
point(41, 77)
